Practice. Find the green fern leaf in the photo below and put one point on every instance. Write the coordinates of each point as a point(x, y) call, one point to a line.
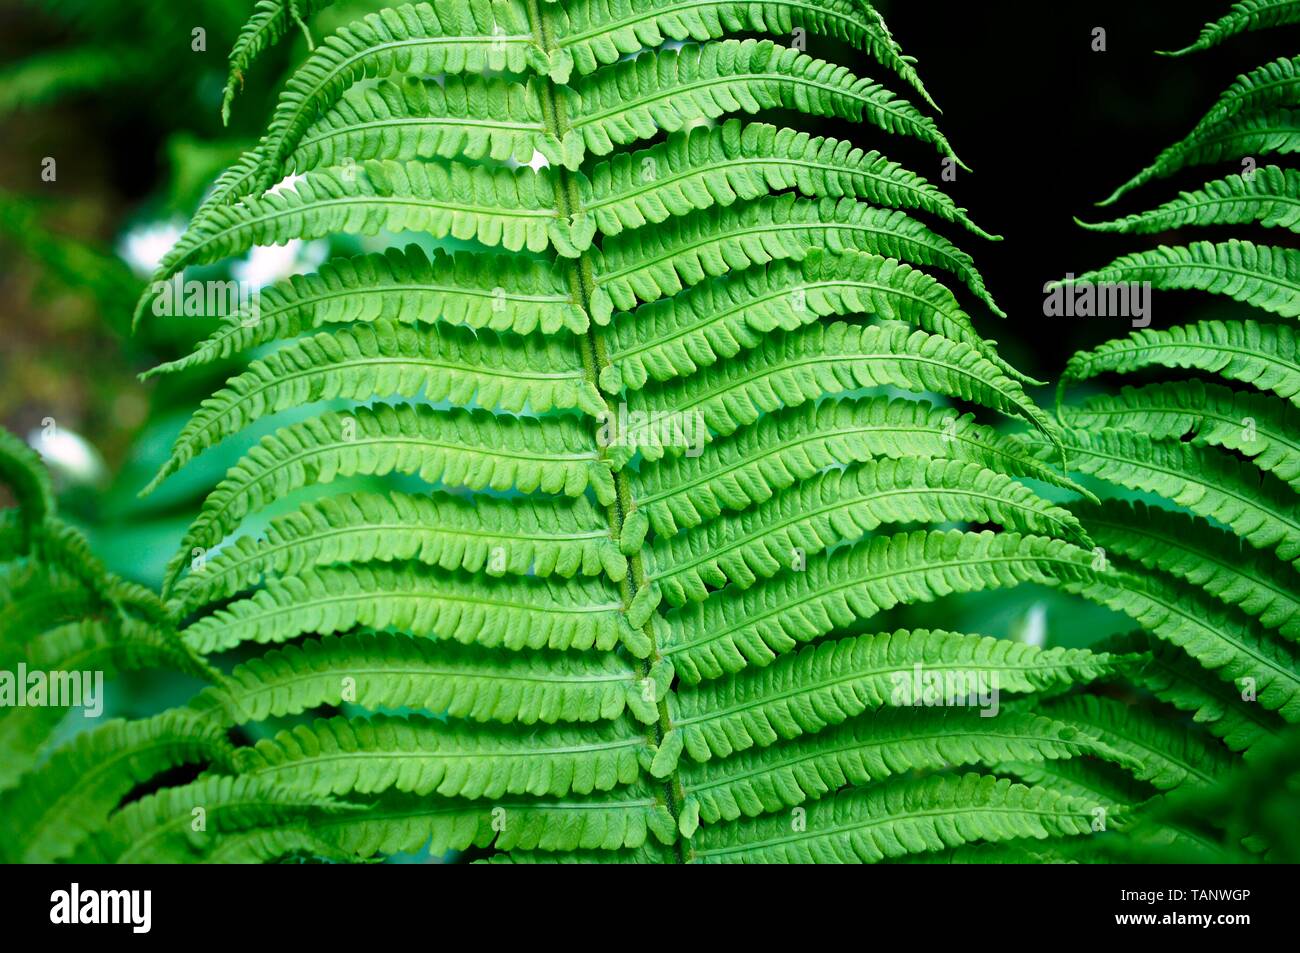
point(787, 446)
point(829, 683)
point(1265, 356)
point(864, 750)
point(159, 828)
point(53, 811)
point(498, 292)
point(1259, 275)
point(21, 470)
point(1174, 678)
point(723, 316)
point(1164, 754)
point(735, 628)
point(700, 167)
point(1223, 641)
point(603, 31)
point(383, 359)
point(491, 536)
point(457, 448)
point(608, 821)
point(1267, 197)
point(384, 671)
point(841, 507)
point(1258, 94)
point(1246, 15)
point(1211, 484)
point(668, 90)
point(896, 818)
point(268, 24)
point(789, 369)
point(467, 117)
point(1258, 426)
point(424, 602)
point(1192, 550)
point(422, 756)
point(649, 264)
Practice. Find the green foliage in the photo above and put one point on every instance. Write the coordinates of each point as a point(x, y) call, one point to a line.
point(1205, 558)
point(550, 602)
point(1245, 16)
point(62, 614)
point(578, 529)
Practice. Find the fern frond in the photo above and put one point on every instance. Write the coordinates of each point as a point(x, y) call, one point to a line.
point(1263, 276)
point(1245, 16)
point(1009, 852)
point(489, 535)
point(1220, 615)
point(455, 448)
point(1265, 356)
point(1117, 792)
point(896, 818)
point(841, 506)
point(1193, 550)
point(1258, 426)
point(658, 90)
point(99, 648)
point(791, 445)
point(734, 628)
point(284, 844)
point(575, 614)
point(422, 756)
point(890, 742)
point(531, 641)
point(648, 853)
point(1273, 132)
point(384, 671)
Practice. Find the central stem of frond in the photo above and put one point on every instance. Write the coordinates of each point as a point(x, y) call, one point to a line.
point(594, 359)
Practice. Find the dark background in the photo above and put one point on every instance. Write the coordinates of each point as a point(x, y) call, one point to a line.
point(1050, 127)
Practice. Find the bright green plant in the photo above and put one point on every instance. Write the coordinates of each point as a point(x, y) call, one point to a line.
point(1212, 552)
point(598, 497)
point(62, 612)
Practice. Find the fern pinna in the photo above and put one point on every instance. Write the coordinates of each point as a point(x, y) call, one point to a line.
point(66, 625)
point(1200, 472)
point(585, 533)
